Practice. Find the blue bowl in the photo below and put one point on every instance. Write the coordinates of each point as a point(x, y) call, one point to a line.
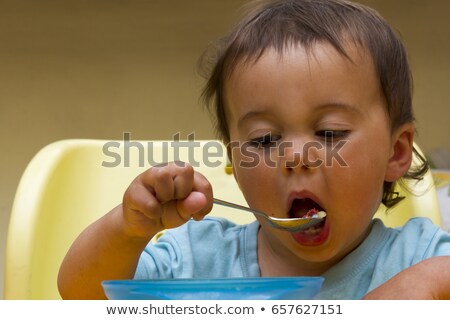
point(283, 288)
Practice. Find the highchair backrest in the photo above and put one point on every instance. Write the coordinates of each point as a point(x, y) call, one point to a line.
point(71, 183)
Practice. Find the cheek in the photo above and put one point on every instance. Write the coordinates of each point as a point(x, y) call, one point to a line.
point(249, 177)
point(255, 179)
point(361, 180)
point(367, 157)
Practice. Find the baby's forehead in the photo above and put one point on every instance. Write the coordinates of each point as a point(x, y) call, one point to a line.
point(352, 52)
point(321, 76)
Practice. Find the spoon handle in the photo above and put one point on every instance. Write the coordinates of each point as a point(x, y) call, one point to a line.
point(237, 206)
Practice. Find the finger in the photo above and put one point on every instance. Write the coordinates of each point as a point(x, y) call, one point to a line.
point(183, 182)
point(140, 199)
point(169, 181)
point(171, 218)
point(178, 182)
point(191, 206)
point(203, 185)
point(198, 206)
point(162, 183)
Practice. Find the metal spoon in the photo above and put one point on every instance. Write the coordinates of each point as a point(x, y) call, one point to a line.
point(287, 224)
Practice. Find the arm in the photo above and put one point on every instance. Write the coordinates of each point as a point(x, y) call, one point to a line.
point(161, 198)
point(429, 279)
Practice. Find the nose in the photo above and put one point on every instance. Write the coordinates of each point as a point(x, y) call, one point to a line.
point(299, 155)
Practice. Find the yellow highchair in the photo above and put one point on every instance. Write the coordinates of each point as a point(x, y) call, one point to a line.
point(71, 183)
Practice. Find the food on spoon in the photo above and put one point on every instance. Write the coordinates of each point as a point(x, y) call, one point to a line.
point(306, 208)
point(314, 213)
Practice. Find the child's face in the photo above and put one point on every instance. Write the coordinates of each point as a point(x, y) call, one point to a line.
point(297, 97)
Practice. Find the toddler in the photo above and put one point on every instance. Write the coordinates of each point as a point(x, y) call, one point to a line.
point(319, 92)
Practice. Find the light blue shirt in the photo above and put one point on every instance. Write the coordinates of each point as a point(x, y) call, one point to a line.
point(217, 248)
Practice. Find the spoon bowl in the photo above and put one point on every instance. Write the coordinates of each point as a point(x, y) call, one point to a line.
point(287, 224)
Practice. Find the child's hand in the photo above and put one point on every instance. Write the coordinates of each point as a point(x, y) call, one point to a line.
point(427, 280)
point(165, 197)
point(162, 197)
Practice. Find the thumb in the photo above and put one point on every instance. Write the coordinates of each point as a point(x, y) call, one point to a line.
point(194, 203)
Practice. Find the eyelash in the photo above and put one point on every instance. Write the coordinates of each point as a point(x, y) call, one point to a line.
point(265, 141)
point(270, 140)
point(330, 135)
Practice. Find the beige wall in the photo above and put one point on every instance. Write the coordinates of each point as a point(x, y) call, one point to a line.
point(97, 68)
point(425, 28)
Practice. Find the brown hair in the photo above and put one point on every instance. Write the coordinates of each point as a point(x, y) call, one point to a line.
point(279, 23)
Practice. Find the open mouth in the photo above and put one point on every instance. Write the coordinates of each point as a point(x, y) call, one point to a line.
point(306, 207)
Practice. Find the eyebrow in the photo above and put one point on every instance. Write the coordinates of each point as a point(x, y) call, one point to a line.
point(250, 115)
point(339, 105)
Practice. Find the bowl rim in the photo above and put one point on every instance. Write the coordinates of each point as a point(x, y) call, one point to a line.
point(285, 282)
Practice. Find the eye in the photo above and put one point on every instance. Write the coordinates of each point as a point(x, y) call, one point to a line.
point(265, 141)
point(331, 135)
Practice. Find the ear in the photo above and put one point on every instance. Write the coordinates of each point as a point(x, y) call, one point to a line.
point(401, 152)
